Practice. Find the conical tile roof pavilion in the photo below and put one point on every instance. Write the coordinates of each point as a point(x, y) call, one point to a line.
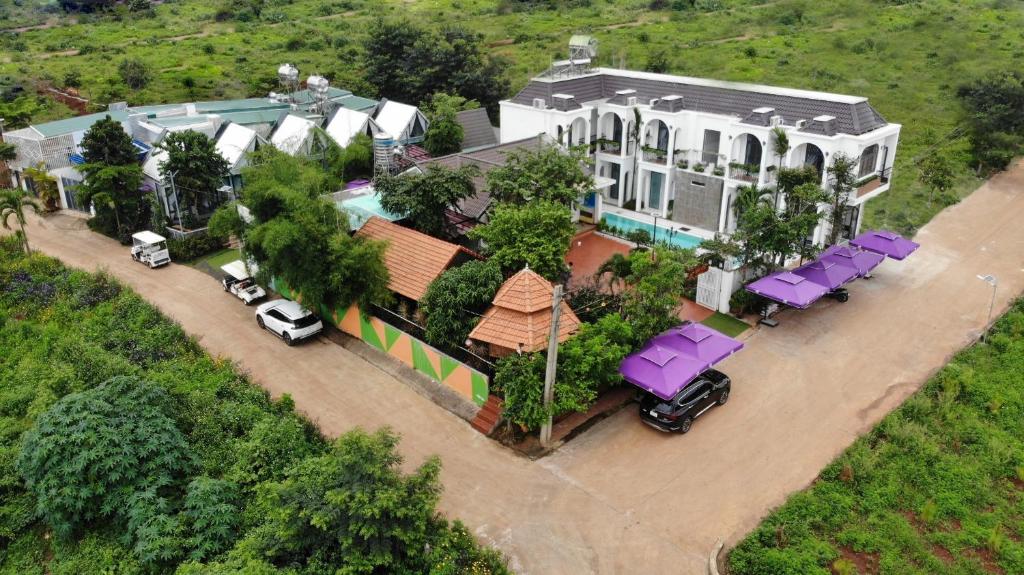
point(520, 316)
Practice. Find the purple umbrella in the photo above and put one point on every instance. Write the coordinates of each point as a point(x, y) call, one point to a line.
point(886, 243)
point(660, 370)
point(788, 288)
point(671, 360)
point(855, 258)
point(828, 274)
point(699, 341)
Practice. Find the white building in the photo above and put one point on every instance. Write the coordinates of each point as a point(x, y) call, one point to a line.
point(699, 140)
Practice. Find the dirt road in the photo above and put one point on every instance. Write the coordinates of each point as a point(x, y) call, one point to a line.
point(624, 498)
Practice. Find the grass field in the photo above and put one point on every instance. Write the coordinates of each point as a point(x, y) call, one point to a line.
point(907, 57)
point(937, 488)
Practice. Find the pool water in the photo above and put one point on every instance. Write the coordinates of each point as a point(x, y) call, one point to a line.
point(679, 239)
point(360, 208)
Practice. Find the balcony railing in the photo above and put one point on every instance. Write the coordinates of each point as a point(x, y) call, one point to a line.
point(655, 155)
point(870, 183)
point(609, 146)
point(744, 172)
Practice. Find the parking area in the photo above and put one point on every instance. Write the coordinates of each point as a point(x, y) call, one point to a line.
point(624, 498)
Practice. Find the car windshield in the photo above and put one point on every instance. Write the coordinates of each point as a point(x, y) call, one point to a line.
point(305, 321)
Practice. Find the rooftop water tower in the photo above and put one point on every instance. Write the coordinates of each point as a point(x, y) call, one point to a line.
point(288, 77)
point(319, 88)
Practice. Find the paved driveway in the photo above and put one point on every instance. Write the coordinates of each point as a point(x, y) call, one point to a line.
point(623, 498)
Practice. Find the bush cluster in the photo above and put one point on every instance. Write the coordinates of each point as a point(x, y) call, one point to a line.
point(142, 454)
point(193, 247)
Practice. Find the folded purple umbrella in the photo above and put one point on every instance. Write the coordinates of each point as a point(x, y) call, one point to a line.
point(856, 258)
point(788, 288)
point(672, 359)
point(826, 273)
point(886, 243)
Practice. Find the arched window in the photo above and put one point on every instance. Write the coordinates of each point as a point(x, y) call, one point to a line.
point(869, 160)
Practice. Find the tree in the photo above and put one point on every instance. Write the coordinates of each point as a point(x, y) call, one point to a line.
point(299, 237)
point(423, 198)
point(938, 173)
point(95, 454)
point(767, 237)
point(549, 173)
point(444, 136)
point(13, 204)
point(654, 289)
point(353, 161)
point(8, 152)
point(780, 145)
point(587, 362)
point(537, 234)
point(134, 73)
point(17, 112)
point(618, 269)
point(45, 186)
point(842, 177)
point(994, 107)
point(748, 197)
point(352, 510)
point(455, 300)
point(112, 168)
point(197, 167)
point(409, 63)
point(658, 62)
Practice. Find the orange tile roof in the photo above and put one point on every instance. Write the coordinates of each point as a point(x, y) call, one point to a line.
point(521, 315)
point(527, 292)
point(413, 259)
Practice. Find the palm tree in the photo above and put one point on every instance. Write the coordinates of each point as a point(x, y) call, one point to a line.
point(619, 268)
point(780, 145)
point(13, 203)
point(748, 197)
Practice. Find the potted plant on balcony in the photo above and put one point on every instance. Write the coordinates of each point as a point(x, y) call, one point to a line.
point(683, 164)
point(718, 171)
point(698, 167)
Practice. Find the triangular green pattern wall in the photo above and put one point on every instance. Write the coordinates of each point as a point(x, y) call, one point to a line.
point(421, 362)
point(368, 334)
point(480, 390)
point(448, 365)
point(391, 335)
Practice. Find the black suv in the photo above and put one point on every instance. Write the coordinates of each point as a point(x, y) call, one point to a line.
point(711, 388)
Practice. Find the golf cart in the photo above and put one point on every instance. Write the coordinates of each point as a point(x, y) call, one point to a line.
point(238, 281)
point(150, 249)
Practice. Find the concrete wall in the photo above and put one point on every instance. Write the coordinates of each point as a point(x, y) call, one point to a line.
point(698, 200)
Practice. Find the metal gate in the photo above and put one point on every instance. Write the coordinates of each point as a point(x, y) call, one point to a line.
point(709, 286)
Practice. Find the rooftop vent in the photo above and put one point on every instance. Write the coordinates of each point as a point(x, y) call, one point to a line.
point(539, 104)
point(826, 125)
point(673, 103)
point(564, 102)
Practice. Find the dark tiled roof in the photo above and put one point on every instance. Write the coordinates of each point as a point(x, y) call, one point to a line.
point(851, 117)
point(477, 131)
point(486, 159)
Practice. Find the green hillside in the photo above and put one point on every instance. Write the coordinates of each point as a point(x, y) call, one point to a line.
point(907, 57)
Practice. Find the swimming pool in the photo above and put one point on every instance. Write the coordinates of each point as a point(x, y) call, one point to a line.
point(678, 239)
point(360, 208)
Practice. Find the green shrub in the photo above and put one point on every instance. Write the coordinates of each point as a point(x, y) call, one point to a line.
point(91, 454)
point(194, 247)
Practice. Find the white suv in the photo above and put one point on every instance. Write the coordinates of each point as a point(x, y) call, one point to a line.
point(289, 320)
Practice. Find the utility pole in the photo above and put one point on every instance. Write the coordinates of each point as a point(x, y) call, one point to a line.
point(549, 374)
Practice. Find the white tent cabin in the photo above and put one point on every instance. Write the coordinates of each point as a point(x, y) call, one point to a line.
point(346, 124)
point(403, 122)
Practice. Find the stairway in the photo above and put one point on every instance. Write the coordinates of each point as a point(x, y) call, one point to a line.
point(487, 418)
